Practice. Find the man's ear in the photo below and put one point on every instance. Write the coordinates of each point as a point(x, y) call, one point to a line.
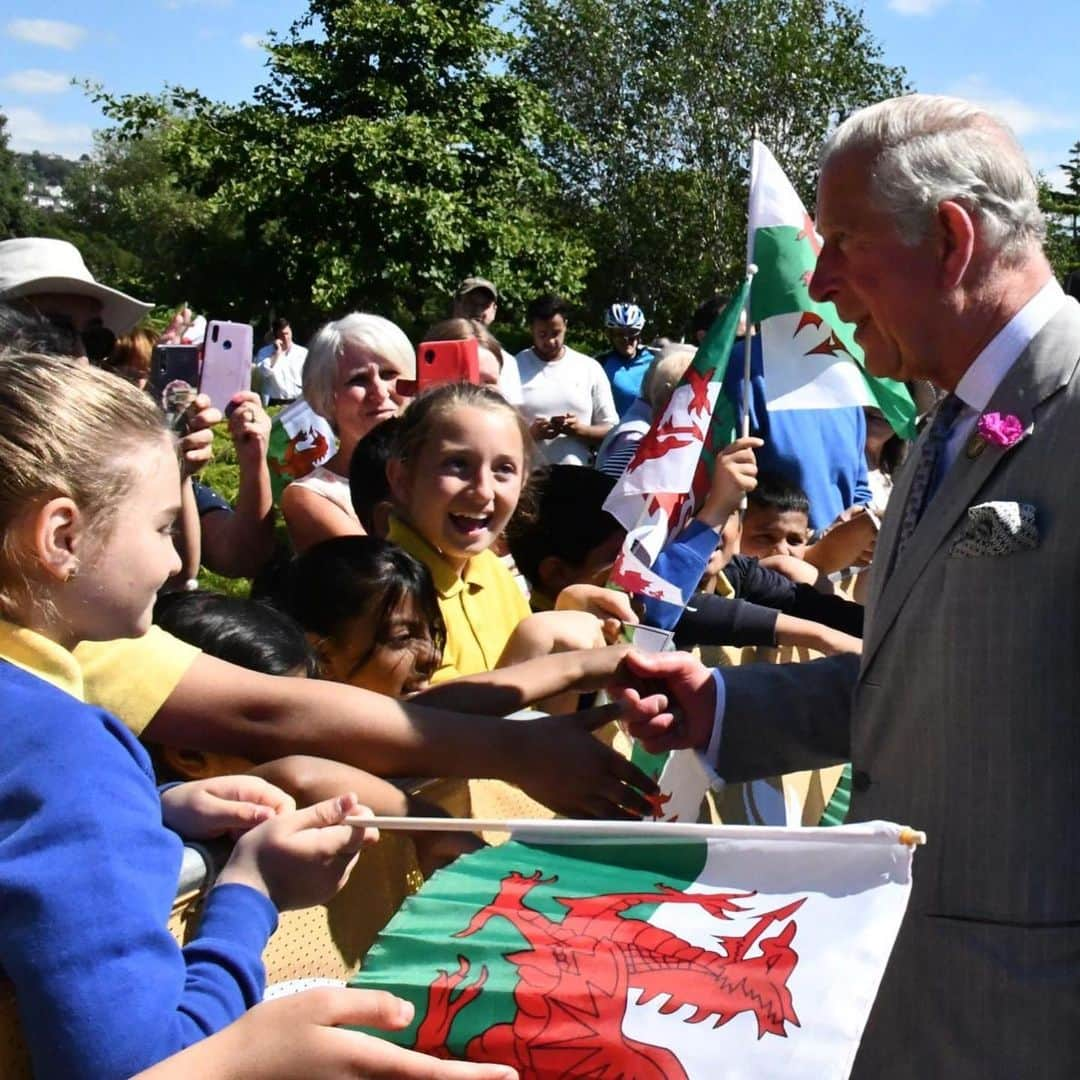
point(957, 233)
point(58, 534)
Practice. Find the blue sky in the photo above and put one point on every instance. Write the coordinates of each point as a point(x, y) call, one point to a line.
point(1019, 58)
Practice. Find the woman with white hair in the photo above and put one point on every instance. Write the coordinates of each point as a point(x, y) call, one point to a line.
point(351, 379)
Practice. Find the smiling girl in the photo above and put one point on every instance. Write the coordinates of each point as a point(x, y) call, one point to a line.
point(351, 379)
point(462, 458)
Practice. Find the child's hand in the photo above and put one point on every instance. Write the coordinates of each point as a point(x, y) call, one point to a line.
point(308, 1035)
point(849, 541)
point(557, 631)
point(582, 630)
point(302, 858)
point(598, 601)
point(734, 474)
point(249, 427)
point(222, 805)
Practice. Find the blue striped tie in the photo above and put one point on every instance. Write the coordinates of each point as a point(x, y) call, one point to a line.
point(927, 473)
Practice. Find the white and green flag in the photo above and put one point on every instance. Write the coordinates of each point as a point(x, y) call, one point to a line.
point(300, 440)
point(652, 951)
point(811, 360)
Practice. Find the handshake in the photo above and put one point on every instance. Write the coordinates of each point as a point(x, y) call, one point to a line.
point(668, 700)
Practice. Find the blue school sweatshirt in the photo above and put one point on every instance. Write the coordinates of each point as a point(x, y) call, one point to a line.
point(87, 880)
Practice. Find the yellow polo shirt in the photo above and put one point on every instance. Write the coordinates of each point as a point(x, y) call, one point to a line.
point(132, 677)
point(481, 608)
point(41, 657)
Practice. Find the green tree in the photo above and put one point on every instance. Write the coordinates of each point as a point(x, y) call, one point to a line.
point(389, 154)
point(1062, 212)
point(141, 226)
point(664, 100)
point(16, 215)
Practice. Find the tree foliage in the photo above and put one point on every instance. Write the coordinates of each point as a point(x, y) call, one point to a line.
point(1062, 212)
point(664, 99)
point(397, 146)
point(385, 157)
point(16, 214)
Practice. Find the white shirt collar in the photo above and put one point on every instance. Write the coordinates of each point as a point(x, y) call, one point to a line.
point(979, 382)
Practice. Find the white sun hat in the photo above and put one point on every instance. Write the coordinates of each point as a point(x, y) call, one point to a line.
point(35, 265)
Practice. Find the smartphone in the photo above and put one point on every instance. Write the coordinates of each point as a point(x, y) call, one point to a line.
point(174, 380)
point(447, 361)
point(226, 365)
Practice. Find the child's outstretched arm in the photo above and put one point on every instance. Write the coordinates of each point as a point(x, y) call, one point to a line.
point(811, 635)
point(847, 542)
point(507, 689)
point(219, 706)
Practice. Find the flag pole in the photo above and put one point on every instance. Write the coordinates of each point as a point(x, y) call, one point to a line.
point(660, 830)
point(748, 337)
point(748, 342)
point(748, 345)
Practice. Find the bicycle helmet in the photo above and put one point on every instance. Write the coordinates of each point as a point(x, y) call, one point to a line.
point(624, 317)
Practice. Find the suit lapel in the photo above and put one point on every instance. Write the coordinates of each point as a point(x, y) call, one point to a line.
point(1043, 368)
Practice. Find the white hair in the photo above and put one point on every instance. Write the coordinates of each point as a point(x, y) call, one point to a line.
point(372, 332)
point(928, 149)
point(664, 374)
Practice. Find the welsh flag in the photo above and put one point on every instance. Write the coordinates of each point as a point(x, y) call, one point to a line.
point(671, 471)
point(811, 358)
point(300, 440)
point(669, 952)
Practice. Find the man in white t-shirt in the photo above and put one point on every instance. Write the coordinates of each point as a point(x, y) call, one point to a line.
point(279, 367)
point(565, 395)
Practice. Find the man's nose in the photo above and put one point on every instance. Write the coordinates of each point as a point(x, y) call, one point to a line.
point(823, 281)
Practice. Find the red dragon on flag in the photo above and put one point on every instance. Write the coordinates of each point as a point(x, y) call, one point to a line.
point(575, 977)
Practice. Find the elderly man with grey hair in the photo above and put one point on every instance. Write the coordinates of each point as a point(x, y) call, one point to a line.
point(351, 379)
point(960, 717)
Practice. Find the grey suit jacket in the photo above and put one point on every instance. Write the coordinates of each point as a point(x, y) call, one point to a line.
point(963, 719)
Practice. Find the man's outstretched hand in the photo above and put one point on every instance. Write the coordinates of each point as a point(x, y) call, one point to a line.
point(668, 699)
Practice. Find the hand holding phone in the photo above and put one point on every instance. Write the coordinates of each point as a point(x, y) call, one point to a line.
point(174, 381)
point(226, 365)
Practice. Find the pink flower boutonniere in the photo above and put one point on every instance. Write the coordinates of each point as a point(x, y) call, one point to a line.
point(996, 429)
point(1001, 429)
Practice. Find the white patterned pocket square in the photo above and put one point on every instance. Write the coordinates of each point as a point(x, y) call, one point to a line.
point(996, 528)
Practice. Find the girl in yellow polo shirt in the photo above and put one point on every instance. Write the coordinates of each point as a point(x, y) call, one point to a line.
point(463, 458)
